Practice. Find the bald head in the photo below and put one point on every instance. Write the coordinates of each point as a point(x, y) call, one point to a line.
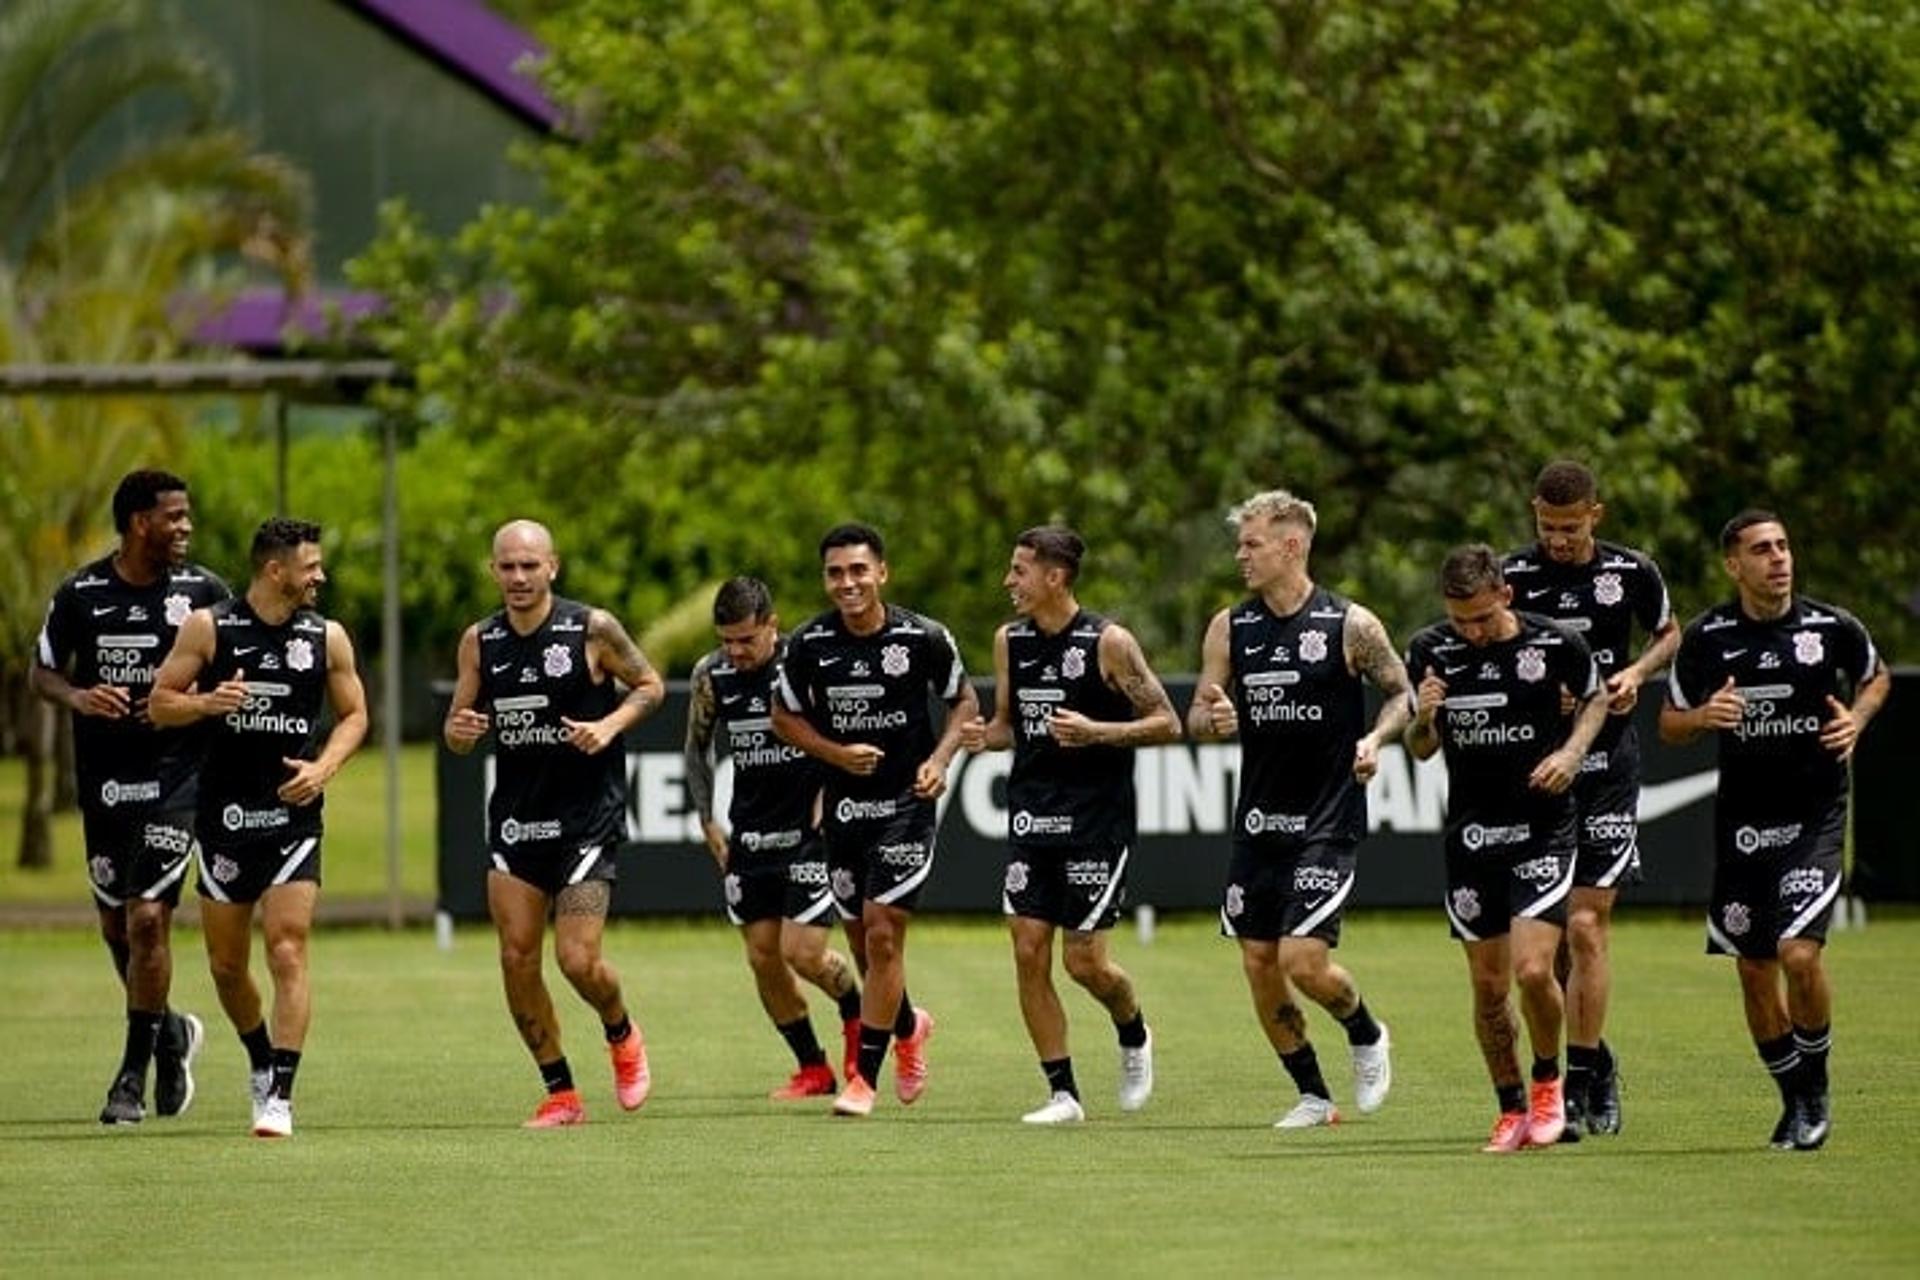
point(523, 535)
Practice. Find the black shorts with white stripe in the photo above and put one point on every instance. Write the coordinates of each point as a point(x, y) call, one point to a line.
point(553, 865)
point(1774, 880)
point(1078, 889)
point(136, 855)
point(244, 872)
point(1275, 891)
point(1516, 871)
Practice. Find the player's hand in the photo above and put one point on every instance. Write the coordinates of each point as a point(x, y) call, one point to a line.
point(227, 696)
point(1431, 693)
point(106, 701)
point(1725, 709)
point(1623, 691)
point(1071, 729)
point(1840, 733)
point(861, 758)
point(930, 780)
point(588, 736)
point(1222, 716)
point(1366, 759)
point(467, 726)
point(716, 842)
point(1556, 773)
point(973, 735)
point(308, 778)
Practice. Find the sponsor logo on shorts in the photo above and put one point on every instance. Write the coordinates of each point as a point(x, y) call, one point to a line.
point(1539, 870)
point(1315, 880)
point(864, 810)
point(1475, 836)
point(1016, 877)
point(810, 872)
point(1803, 882)
point(1736, 918)
point(113, 793)
point(101, 869)
point(513, 831)
point(1042, 824)
point(1236, 900)
point(1466, 904)
point(235, 818)
point(755, 841)
point(1090, 874)
point(1756, 839)
point(1611, 826)
point(1259, 822)
point(905, 853)
point(166, 839)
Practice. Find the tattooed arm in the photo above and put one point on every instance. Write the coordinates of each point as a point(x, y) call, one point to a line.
point(1370, 653)
point(1125, 668)
point(612, 651)
point(699, 758)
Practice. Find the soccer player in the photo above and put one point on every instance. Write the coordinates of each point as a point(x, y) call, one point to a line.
point(1282, 671)
point(1601, 590)
point(258, 670)
point(1786, 684)
point(1073, 696)
point(107, 630)
point(854, 690)
point(540, 676)
point(773, 863)
point(1493, 685)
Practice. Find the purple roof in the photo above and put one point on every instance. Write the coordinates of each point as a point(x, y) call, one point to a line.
point(265, 319)
point(475, 43)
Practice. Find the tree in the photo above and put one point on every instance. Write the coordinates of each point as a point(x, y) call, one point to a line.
point(963, 268)
point(93, 261)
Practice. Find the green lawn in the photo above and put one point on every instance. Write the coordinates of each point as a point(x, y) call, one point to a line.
point(409, 1158)
point(355, 857)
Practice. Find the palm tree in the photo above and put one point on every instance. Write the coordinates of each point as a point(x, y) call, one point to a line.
point(89, 266)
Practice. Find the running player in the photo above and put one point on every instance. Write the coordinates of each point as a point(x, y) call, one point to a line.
point(1600, 590)
point(772, 863)
point(107, 630)
point(854, 690)
point(1085, 698)
point(259, 670)
point(1786, 684)
point(1283, 671)
point(539, 675)
point(1493, 685)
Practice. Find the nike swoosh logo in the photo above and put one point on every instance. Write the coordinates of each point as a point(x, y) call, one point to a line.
point(1728, 655)
point(505, 666)
point(1028, 663)
point(241, 653)
point(1256, 648)
point(1537, 592)
point(727, 702)
point(1658, 799)
point(98, 613)
point(827, 662)
point(1453, 671)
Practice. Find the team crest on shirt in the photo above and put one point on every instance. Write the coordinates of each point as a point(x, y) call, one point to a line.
point(1736, 918)
point(1016, 877)
point(1073, 663)
point(1530, 664)
point(1313, 646)
point(1808, 649)
point(1236, 900)
point(300, 653)
point(178, 607)
point(556, 660)
point(1607, 589)
point(893, 659)
point(101, 869)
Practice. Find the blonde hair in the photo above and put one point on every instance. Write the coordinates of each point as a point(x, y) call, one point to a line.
point(1276, 505)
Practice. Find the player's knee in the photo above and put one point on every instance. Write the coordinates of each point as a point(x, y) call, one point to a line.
point(1087, 967)
point(578, 961)
point(1260, 962)
point(1534, 973)
point(287, 953)
point(1801, 960)
point(147, 929)
point(228, 970)
point(1587, 933)
point(883, 945)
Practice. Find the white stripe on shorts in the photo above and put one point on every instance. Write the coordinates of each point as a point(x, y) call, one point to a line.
point(1619, 868)
point(1325, 909)
point(815, 909)
point(589, 854)
point(1813, 909)
point(1719, 939)
point(1546, 900)
point(295, 853)
point(1459, 925)
point(911, 883)
point(152, 892)
point(1226, 924)
point(1106, 899)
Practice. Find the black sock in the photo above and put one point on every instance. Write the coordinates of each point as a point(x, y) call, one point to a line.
point(1813, 1044)
point(1304, 1066)
point(618, 1031)
point(556, 1075)
point(1511, 1097)
point(1059, 1073)
point(1583, 1067)
point(285, 1063)
point(259, 1048)
point(1604, 1065)
point(1545, 1069)
point(1361, 1028)
point(850, 1004)
point(1782, 1061)
point(799, 1037)
point(1133, 1034)
point(873, 1051)
point(143, 1031)
point(903, 1021)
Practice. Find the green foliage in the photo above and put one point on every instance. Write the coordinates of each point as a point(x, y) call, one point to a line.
point(961, 269)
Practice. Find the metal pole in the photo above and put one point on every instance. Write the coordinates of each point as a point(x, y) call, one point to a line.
point(280, 454)
point(391, 653)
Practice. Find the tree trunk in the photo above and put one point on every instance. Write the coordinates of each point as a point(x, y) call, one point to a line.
point(66, 783)
point(36, 830)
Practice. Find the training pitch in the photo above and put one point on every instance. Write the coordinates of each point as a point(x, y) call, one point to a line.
point(409, 1157)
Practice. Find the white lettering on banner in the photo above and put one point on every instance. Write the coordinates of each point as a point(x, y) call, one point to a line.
point(657, 794)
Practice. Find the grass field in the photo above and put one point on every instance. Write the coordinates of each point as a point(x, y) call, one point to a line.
point(409, 1158)
point(355, 859)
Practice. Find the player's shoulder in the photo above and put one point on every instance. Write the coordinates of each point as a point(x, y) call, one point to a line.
point(1616, 557)
point(821, 627)
point(92, 578)
point(199, 582)
point(1537, 628)
point(1436, 636)
point(711, 663)
point(1809, 612)
point(1723, 616)
point(1523, 561)
point(910, 624)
